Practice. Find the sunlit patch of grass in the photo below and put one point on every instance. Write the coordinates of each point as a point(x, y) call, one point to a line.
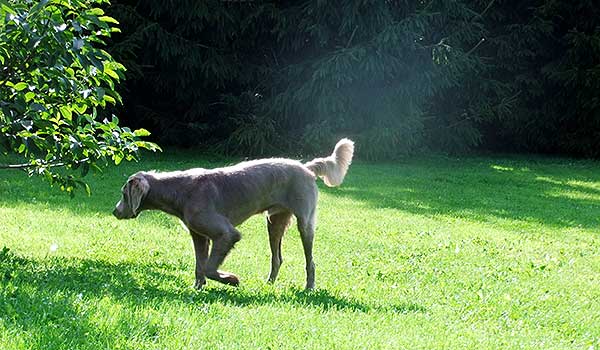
point(424, 253)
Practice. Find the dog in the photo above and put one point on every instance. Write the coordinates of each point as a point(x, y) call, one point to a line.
point(212, 202)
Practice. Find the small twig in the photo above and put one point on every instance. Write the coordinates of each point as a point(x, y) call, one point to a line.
point(476, 46)
point(441, 43)
point(274, 57)
point(479, 15)
point(351, 37)
point(428, 5)
point(46, 165)
point(484, 10)
point(450, 126)
point(511, 98)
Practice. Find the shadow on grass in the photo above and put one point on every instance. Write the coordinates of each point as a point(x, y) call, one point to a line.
point(558, 195)
point(138, 284)
point(319, 298)
point(48, 301)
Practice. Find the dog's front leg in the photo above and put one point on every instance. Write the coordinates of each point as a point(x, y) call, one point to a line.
point(201, 252)
point(221, 246)
point(223, 236)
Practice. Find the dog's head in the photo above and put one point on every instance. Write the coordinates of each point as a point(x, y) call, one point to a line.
point(133, 193)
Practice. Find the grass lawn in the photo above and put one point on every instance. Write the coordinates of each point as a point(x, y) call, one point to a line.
point(431, 253)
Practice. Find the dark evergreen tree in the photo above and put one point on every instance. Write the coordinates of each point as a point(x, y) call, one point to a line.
point(256, 77)
point(548, 54)
point(250, 75)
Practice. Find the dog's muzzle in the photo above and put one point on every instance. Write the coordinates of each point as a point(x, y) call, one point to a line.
point(122, 216)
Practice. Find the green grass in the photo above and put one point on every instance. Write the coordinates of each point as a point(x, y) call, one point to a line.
point(426, 253)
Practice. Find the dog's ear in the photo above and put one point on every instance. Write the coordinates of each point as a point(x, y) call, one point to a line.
point(137, 188)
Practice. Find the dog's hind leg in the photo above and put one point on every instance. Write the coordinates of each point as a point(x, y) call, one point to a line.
point(306, 226)
point(276, 225)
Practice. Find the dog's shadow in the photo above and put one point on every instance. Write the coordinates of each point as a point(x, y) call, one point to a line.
point(138, 284)
point(320, 298)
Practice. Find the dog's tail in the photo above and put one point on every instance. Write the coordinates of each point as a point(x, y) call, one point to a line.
point(332, 169)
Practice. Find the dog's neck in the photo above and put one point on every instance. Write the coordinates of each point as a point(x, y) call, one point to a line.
point(164, 194)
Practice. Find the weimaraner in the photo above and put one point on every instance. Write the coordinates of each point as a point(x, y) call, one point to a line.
point(212, 202)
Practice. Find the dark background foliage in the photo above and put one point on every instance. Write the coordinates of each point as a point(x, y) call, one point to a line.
point(264, 78)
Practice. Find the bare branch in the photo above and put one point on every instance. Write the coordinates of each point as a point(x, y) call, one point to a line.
point(484, 10)
point(476, 46)
point(42, 165)
point(351, 37)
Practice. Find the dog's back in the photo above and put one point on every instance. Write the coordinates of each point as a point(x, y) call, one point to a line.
point(255, 186)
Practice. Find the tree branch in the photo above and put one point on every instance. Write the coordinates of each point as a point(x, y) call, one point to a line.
point(484, 10)
point(351, 37)
point(46, 165)
point(476, 46)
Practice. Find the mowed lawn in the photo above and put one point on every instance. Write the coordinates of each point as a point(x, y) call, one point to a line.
point(425, 253)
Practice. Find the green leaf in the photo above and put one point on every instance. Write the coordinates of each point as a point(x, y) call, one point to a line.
point(6, 8)
point(80, 108)
point(52, 100)
point(20, 86)
point(97, 63)
point(111, 73)
point(88, 190)
point(96, 11)
point(85, 169)
point(110, 99)
point(29, 96)
point(36, 107)
point(118, 157)
point(141, 132)
point(108, 19)
point(66, 112)
point(100, 92)
point(39, 6)
point(151, 146)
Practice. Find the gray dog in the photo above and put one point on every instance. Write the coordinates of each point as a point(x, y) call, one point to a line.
point(212, 202)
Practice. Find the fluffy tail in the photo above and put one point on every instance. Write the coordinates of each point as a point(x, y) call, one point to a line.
point(332, 169)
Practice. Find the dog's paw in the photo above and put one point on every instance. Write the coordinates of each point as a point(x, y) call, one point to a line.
point(230, 279)
point(309, 287)
point(223, 277)
point(199, 284)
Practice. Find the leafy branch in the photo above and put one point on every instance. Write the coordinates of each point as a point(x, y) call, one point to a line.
point(55, 89)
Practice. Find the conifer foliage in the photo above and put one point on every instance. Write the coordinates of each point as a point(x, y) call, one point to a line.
point(398, 76)
point(548, 53)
